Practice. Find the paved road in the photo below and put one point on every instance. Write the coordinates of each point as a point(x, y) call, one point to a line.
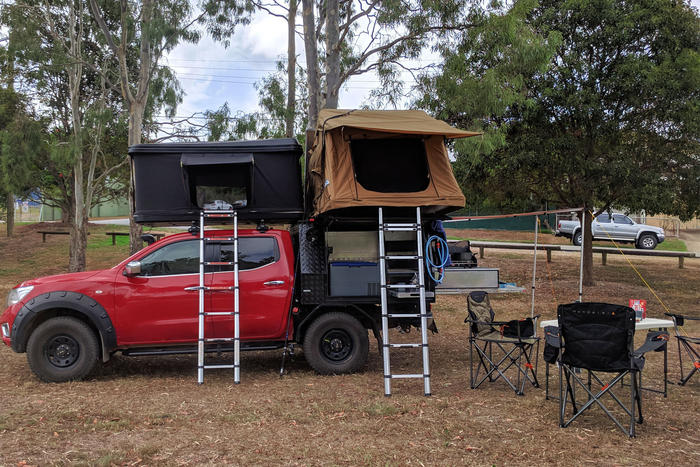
point(691, 239)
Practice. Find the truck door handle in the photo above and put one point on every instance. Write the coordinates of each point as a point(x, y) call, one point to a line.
point(192, 289)
point(273, 283)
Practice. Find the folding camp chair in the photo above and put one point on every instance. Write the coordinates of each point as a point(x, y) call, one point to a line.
point(690, 344)
point(599, 337)
point(499, 350)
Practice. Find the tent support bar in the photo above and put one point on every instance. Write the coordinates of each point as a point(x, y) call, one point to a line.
point(534, 270)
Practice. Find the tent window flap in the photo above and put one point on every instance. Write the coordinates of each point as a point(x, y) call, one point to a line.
point(219, 181)
point(391, 165)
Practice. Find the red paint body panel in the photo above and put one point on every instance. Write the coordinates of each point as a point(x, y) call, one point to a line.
point(158, 311)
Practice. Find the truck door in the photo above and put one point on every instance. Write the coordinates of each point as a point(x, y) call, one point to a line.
point(154, 307)
point(624, 227)
point(265, 289)
point(602, 227)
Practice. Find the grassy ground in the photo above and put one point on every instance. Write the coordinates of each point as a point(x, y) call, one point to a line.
point(670, 244)
point(150, 410)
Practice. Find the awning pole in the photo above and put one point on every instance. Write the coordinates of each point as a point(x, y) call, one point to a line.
point(583, 243)
point(534, 271)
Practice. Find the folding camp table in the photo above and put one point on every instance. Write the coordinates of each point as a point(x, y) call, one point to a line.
point(644, 324)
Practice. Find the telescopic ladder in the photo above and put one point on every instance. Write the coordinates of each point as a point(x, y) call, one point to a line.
point(203, 289)
point(386, 314)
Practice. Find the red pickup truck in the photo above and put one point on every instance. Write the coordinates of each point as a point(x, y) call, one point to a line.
point(67, 323)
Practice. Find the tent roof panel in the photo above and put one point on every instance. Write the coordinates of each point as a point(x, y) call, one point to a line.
point(414, 122)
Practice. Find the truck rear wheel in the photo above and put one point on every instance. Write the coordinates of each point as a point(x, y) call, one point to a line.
point(62, 349)
point(336, 343)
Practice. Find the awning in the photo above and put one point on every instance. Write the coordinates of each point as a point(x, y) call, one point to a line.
point(414, 122)
point(187, 160)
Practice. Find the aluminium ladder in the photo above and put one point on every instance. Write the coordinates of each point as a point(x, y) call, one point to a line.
point(386, 315)
point(202, 340)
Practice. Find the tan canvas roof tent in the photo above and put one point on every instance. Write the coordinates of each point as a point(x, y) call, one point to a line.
point(382, 158)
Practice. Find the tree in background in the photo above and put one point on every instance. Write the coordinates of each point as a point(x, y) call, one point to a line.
point(57, 56)
point(612, 121)
point(152, 28)
point(20, 146)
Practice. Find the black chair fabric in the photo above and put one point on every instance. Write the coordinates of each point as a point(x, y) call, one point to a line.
point(597, 336)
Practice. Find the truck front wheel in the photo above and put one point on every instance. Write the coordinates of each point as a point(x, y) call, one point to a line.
point(336, 343)
point(62, 349)
point(647, 241)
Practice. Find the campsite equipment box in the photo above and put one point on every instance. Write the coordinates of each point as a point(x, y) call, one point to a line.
point(174, 181)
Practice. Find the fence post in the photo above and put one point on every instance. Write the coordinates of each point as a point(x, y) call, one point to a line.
point(605, 258)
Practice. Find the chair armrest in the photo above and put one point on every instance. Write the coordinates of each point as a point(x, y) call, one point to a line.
point(654, 341)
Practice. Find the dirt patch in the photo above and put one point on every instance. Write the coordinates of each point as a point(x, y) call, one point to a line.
point(151, 411)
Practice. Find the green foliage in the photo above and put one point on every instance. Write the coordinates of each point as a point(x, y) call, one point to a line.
point(21, 144)
point(270, 121)
point(612, 119)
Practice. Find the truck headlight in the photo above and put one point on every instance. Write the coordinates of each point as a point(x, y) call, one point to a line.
point(18, 294)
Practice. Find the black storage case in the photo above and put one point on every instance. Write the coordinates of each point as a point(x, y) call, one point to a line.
point(168, 176)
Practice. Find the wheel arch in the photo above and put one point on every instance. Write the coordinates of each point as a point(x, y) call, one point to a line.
point(62, 303)
point(350, 309)
point(644, 232)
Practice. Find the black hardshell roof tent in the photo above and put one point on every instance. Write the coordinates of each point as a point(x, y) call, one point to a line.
point(174, 181)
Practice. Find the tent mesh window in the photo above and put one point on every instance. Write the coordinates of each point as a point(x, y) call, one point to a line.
point(391, 165)
point(226, 188)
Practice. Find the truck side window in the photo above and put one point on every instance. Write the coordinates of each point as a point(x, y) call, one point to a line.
point(603, 219)
point(175, 258)
point(253, 252)
point(621, 219)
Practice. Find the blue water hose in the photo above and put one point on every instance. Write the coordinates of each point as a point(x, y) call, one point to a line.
point(443, 253)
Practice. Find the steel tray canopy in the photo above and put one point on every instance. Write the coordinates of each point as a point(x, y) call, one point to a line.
point(174, 181)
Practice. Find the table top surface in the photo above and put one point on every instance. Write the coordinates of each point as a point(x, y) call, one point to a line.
point(648, 323)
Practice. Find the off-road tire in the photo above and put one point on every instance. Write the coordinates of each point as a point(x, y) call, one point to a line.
point(647, 241)
point(576, 238)
point(336, 343)
point(62, 349)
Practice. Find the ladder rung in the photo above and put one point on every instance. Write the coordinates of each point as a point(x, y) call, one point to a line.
point(219, 288)
point(219, 313)
point(220, 339)
point(400, 229)
point(401, 224)
point(402, 257)
point(219, 239)
point(399, 346)
point(405, 376)
point(216, 367)
point(218, 263)
point(404, 315)
point(403, 286)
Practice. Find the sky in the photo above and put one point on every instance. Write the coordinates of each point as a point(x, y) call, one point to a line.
point(211, 74)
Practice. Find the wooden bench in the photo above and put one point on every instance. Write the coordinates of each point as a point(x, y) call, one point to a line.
point(44, 233)
point(604, 251)
point(126, 234)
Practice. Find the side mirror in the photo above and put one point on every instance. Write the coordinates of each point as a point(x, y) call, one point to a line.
point(132, 268)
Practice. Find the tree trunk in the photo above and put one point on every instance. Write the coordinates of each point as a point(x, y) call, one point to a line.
point(312, 73)
point(78, 243)
point(291, 69)
point(588, 250)
point(10, 205)
point(78, 230)
point(332, 54)
point(135, 127)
